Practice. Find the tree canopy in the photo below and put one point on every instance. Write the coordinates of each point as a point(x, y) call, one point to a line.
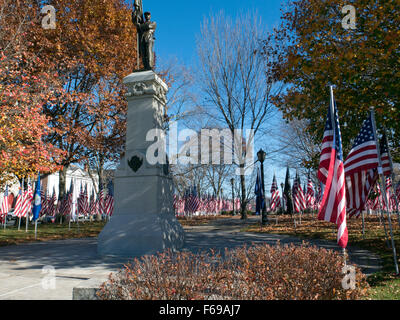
point(363, 64)
point(25, 86)
point(68, 78)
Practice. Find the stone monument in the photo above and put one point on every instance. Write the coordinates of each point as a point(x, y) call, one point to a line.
point(144, 220)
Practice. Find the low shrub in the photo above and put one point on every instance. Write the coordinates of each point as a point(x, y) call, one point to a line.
point(259, 272)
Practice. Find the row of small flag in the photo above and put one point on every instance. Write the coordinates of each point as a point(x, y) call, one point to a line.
point(311, 199)
point(192, 203)
point(303, 198)
point(86, 205)
point(378, 202)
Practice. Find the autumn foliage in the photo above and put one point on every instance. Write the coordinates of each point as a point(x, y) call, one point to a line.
point(363, 64)
point(24, 88)
point(61, 93)
point(259, 272)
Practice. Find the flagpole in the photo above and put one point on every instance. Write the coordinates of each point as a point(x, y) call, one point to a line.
point(77, 210)
point(380, 172)
point(6, 209)
point(22, 196)
point(27, 213)
point(59, 204)
point(72, 205)
point(382, 219)
point(70, 215)
point(35, 229)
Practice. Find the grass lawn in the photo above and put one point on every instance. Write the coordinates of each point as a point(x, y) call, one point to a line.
point(45, 232)
point(384, 285)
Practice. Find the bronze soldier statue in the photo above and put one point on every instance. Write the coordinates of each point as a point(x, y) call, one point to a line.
point(146, 29)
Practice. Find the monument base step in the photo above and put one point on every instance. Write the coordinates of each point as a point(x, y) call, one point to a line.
point(137, 235)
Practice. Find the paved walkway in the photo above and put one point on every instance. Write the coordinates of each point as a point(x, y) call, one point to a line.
point(76, 263)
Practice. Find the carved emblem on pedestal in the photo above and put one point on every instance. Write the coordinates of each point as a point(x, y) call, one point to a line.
point(135, 163)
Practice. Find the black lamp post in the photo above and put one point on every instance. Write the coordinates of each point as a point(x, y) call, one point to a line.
point(233, 196)
point(261, 157)
point(282, 201)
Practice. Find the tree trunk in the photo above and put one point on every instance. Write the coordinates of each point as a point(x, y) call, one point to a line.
point(101, 183)
point(243, 203)
point(62, 182)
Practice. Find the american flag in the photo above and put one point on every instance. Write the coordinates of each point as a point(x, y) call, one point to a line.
point(87, 202)
point(358, 188)
point(299, 200)
point(398, 192)
point(51, 203)
point(369, 204)
point(310, 194)
point(4, 206)
point(101, 200)
point(301, 196)
point(361, 169)
point(69, 204)
point(385, 156)
point(179, 206)
point(275, 198)
point(20, 199)
point(206, 204)
point(93, 205)
point(192, 201)
point(82, 201)
point(212, 204)
point(296, 201)
point(27, 202)
point(378, 202)
point(331, 174)
point(389, 194)
point(109, 202)
point(66, 202)
point(60, 209)
point(44, 201)
point(220, 204)
point(318, 197)
point(214, 201)
point(203, 203)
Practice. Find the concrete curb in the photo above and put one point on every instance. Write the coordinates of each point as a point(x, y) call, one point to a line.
point(87, 290)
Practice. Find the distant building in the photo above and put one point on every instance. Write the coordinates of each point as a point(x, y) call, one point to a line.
point(79, 177)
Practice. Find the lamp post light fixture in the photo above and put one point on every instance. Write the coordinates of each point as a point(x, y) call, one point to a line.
point(233, 196)
point(261, 157)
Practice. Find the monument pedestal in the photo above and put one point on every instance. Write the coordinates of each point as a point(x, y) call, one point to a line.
point(144, 220)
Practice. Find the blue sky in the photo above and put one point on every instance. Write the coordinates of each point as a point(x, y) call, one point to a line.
point(178, 24)
point(178, 21)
